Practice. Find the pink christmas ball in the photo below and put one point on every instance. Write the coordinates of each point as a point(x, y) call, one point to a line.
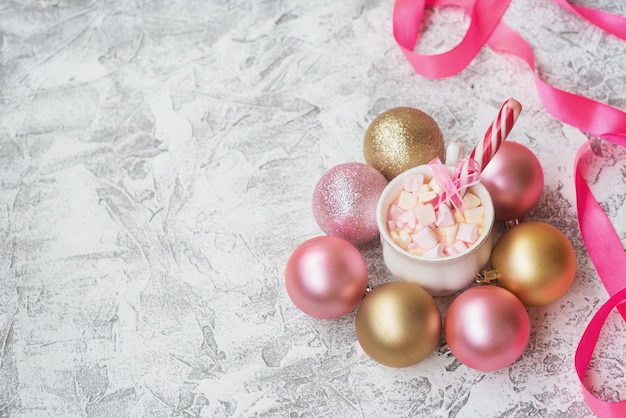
point(345, 199)
point(514, 178)
point(487, 328)
point(326, 277)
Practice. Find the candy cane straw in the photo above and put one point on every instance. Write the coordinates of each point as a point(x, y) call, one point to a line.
point(496, 133)
point(494, 137)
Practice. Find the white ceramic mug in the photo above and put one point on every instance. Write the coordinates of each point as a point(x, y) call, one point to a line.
point(440, 276)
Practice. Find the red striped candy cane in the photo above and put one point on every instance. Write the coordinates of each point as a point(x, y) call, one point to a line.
point(496, 133)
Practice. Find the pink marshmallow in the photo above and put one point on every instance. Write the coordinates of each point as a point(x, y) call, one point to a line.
point(426, 239)
point(412, 246)
point(435, 252)
point(409, 218)
point(406, 228)
point(456, 248)
point(467, 233)
point(395, 213)
point(413, 182)
point(444, 216)
point(391, 225)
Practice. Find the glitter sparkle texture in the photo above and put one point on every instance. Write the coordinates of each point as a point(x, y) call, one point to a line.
point(345, 199)
point(400, 139)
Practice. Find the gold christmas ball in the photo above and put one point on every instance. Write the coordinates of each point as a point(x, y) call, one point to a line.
point(534, 261)
point(402, 138)
point(398, 324)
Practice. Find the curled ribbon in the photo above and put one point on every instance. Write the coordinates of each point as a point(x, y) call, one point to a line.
point(608, 256)
point(466, 174)
point(595, 118)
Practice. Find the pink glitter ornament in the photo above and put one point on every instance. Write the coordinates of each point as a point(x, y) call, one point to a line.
point(326, 277)
point(487, 328)
point(345, 199)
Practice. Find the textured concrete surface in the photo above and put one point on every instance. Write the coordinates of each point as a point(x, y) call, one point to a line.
point(157, 160)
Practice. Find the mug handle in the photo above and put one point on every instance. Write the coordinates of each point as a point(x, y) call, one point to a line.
point(453, 153)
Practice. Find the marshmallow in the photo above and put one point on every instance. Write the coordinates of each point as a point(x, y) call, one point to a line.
point(475, 215)
point(425, 215)
point(435, 252)
point(448, 234)
point(409, 218)
point(435, 186)
point(416, 227)
point(395, 213)
point(413, 182)
point(444, 216)
point(471, 200)
point(426, 194)
point(402, 238)
point(415, 249)
point(467, 233)
point(425, 239)
point(407, 200)
point(458, 217)
point(456, 248)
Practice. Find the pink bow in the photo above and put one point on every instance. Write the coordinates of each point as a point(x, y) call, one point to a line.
point(466, 174)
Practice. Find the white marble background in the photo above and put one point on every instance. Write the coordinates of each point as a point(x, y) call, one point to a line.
point(157, 160)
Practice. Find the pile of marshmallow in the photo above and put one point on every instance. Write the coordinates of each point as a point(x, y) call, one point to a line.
point(421, 226)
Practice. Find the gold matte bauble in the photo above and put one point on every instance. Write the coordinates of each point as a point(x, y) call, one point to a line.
point(402, 138)
point(534, 261)
point(398, 324)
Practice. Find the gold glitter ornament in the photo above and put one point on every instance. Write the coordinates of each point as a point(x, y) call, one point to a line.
point(402, 138)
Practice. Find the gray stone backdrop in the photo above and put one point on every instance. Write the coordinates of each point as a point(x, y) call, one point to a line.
point(157, 160)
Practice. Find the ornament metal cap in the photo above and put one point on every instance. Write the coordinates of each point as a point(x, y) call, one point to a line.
point(488, 276)
point(444, 350)
point(511, 223)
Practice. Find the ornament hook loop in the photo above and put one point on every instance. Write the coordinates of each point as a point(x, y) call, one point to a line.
point(511, 223)
point(444, 350)
point(488, 276)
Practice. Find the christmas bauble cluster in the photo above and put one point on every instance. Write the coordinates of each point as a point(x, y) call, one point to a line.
point(398, 324)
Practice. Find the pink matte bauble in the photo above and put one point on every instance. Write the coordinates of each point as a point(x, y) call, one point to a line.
point(345, 199)
point(487, 328)
point(514, 178)
point(326, 277)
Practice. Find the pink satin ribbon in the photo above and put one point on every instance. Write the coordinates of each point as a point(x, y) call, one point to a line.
point(608, 256)
point(595, 118)
point(466, 174)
